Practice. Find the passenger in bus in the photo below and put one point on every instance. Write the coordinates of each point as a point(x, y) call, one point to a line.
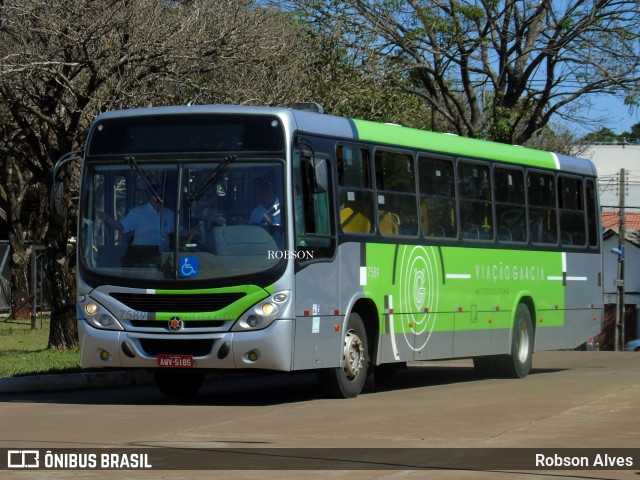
point(205, 215)
point(151, 223)
point(267, 212)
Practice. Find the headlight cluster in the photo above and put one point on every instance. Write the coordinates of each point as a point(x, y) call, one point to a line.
point(96, 314)
point(264, 313)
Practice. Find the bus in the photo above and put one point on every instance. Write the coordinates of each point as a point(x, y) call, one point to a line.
point(291, 240)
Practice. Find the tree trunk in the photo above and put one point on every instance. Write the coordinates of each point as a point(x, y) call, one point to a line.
point(20, 304)
point(15, 189)
point(60, 268)
point(63, 332)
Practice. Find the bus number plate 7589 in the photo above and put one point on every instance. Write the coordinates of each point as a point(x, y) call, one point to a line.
point(175, 361)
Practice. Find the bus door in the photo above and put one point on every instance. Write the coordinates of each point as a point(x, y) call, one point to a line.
point(317, 340)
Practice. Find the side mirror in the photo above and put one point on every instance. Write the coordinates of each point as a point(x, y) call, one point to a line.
point(321, 175)
point(57, 186)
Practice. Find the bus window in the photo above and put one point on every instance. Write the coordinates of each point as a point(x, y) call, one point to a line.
point(395, 183)
point(541, 192)
point(592, 212)
point(511, 216)
point(572, 214)
point(437, 197)
point(311, 211)
point(476, 209)
point(356, 194)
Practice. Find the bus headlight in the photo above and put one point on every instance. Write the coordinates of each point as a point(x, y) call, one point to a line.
point(264, 313)
point(97, 315)
point(268, 308)
point(91, 308)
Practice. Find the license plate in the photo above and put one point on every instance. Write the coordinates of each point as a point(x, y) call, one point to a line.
point(175, 361)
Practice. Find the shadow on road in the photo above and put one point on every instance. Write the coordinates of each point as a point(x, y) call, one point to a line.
point(255, 388)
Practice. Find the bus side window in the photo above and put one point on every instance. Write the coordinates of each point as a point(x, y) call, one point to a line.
point(313, 230)
point(356, 194)
point(592, 212)
point(541, 193)
point(396, 193)
point(572, 212)
point(437, 197)
point(476, 206)
point(511, 215)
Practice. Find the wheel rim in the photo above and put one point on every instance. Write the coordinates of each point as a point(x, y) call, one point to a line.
point(353, 355)
point(523, 341)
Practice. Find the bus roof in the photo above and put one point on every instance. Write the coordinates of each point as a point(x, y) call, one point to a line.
point(399, 136)
point(382, 133)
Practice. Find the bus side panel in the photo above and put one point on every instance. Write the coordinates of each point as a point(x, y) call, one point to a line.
point(483, 287)
point(405, 281)
point(583, 305)
point(367, 274)
point(436, 344)
point(317, 341)
point(583, 297)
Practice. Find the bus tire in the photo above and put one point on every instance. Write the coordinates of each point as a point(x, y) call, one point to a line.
point(517, 364)
point(347, 380)
point(179, 384)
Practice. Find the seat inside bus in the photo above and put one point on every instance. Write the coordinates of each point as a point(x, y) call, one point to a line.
point(241, 240)
point(354, 221)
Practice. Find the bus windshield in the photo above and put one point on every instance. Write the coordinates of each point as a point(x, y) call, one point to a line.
point(182, 220)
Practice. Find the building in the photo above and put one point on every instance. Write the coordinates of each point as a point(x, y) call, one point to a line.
point(609, 161)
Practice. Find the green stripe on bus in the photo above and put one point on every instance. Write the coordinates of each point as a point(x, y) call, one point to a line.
point(455, 145)
point(253, 295)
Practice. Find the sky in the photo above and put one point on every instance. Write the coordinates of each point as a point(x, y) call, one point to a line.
point(621, 119)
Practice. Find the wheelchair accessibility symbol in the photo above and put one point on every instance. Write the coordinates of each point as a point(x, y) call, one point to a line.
point(188, 266)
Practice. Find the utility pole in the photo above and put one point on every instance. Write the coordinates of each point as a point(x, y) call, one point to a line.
point(619, 330)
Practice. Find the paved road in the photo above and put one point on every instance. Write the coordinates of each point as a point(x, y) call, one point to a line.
point(571, 399)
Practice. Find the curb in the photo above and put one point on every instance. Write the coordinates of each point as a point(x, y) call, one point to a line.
point(71, 381)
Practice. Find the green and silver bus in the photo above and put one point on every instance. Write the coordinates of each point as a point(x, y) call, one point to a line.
point(380, 245)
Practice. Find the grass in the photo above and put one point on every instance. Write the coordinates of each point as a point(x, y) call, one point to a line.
point(24, 351)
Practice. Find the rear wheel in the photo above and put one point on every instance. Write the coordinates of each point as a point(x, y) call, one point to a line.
point(179, 384)
point(517, 364)
point(347, 380)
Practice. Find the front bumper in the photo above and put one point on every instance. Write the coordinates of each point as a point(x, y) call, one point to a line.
point(270, 348)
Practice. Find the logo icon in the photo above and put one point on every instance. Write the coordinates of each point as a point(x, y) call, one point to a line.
point(23, 459)
point(188, 266)
point(419, 290)
point(176, 324)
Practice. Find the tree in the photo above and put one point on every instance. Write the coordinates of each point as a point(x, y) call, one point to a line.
point(556, 138)
point(64, 61)
point(344, 86)
point(604, 134)
point(494, 69)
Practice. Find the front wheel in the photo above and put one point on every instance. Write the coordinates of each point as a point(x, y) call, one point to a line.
point(347, 380)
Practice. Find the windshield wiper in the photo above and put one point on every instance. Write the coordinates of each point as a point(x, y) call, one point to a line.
point(144, 179)
point(212, 178)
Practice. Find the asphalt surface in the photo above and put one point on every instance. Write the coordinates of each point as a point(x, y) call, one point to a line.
point(576, 400)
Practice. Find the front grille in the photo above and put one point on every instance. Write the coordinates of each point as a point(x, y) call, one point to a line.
point(177, 303)
point(187, 324)
point(197, 348)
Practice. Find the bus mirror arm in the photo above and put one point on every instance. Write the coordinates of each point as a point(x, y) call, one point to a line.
point(320, 172)
point(57, 186)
